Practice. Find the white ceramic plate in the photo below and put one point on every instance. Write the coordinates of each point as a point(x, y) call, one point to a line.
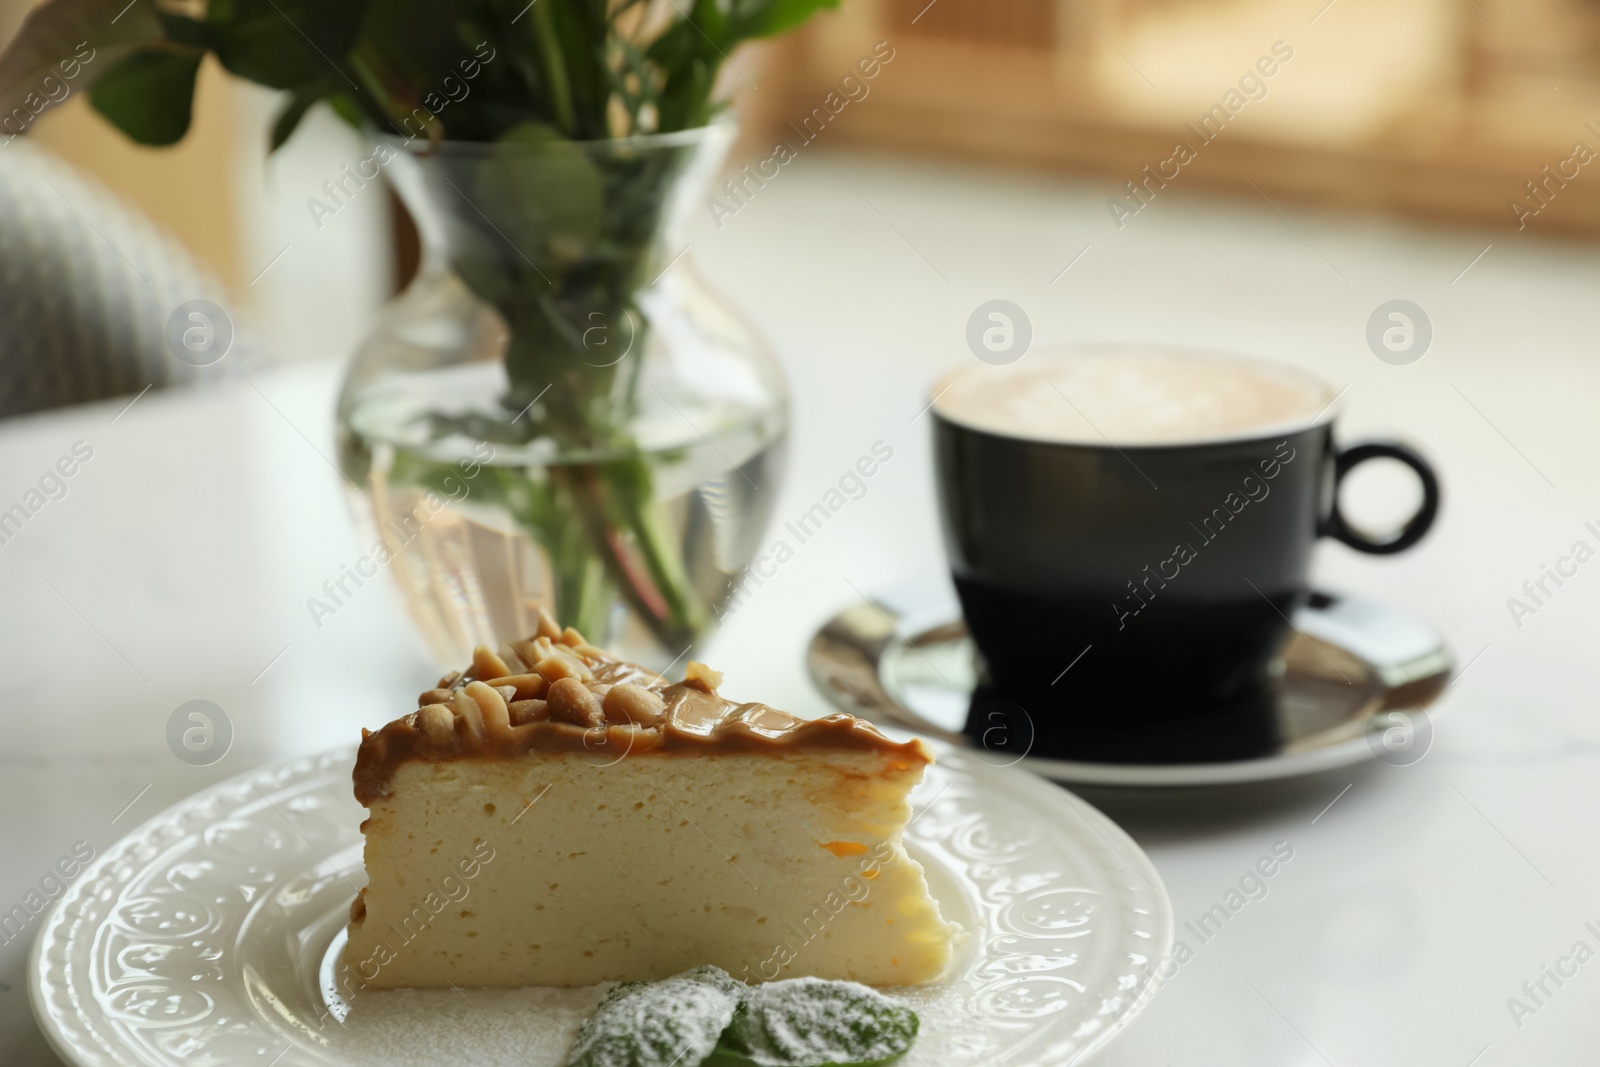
point(206, 937)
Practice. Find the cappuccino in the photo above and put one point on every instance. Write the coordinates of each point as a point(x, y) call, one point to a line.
point(1132, 397)
point(1130, 531)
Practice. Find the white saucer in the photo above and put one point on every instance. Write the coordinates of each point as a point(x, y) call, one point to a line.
point(203, 938)
point(1356, 677)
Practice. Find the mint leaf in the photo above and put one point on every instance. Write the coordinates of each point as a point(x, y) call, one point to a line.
point(676, 1021)
point(809, 1022)
point(717, 978)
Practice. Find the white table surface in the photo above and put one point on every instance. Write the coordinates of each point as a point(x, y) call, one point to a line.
point(178, 565)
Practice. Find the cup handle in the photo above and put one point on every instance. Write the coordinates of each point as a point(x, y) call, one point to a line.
point(1413, 529)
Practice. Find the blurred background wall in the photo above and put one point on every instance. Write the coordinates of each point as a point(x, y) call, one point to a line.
point(1455, 111)
point(1446, 109)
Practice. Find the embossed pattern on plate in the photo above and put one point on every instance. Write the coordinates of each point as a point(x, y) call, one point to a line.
point(201, 938)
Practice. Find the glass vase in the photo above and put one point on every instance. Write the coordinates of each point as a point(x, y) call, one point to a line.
point(557, 411)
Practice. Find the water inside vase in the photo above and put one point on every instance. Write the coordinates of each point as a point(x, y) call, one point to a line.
point(477, 533)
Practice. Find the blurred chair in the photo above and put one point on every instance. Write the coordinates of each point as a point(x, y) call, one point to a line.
point(87, 289)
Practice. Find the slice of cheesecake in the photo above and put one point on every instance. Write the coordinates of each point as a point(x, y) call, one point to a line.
point(553, 816)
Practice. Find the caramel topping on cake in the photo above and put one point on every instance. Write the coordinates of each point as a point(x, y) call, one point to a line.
point(555, 692)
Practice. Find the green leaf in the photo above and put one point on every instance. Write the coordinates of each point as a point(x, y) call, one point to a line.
point(764, 18)
point(580, 30)
point(416, 41)
point(347, 109)
point(690, 52)
point(184, 30)
point(809, 1022)
point(544, 192)
point(149, 95)
point(73, 42)
point(713, 24)
point(557, 85)
point(284, 43)
point(676, 1021)
point(302, 99)
point(291, 114)
point(686, 100)
point(676, 46)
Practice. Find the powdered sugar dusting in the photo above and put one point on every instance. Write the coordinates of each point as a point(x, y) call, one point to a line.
point(540, 1026)
point(809, 1021)
point(483, 1027)
point(677, 1020)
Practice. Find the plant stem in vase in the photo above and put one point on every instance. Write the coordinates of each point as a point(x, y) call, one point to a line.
point(627, 426)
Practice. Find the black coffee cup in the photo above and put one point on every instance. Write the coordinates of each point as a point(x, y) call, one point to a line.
point(1129, 574)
